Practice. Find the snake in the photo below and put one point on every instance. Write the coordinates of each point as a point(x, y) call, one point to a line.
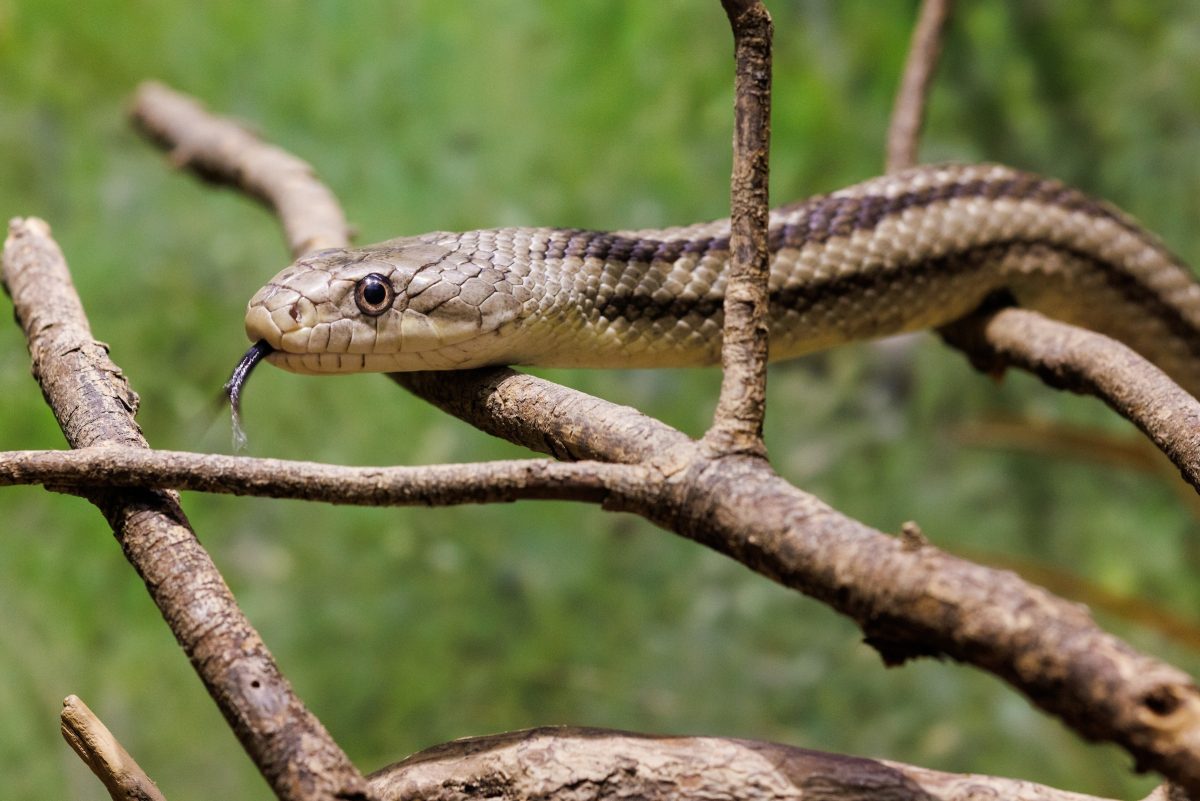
point(915, 249)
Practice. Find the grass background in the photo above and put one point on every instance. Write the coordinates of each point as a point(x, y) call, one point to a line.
point(404, 628)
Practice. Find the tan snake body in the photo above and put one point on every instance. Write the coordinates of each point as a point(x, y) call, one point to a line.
point(907, 251)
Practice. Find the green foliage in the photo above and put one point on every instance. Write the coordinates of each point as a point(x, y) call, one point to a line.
point(403, 628)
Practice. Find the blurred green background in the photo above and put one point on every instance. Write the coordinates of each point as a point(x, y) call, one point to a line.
point(404, 628)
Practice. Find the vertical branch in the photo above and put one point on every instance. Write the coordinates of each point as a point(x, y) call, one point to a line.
point(908, 114)
point(737, 424)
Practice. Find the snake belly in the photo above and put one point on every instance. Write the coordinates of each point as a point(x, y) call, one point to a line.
point(912, 250)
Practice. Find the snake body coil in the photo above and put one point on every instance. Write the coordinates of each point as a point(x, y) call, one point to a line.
point(907, 251)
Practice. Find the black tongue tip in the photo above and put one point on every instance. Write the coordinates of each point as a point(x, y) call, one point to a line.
point(237, 381)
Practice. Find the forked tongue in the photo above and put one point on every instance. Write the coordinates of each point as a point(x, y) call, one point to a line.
point(233, 388)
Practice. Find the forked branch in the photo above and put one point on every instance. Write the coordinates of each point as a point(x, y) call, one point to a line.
point(910, 599)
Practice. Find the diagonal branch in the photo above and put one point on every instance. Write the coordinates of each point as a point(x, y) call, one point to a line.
point(94, 406)
point(88, 737)
point(908, 113)
point(738, 420)
point(312, 217)
point(1075, 359)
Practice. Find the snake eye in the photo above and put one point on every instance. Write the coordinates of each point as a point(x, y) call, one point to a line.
point(373, 294)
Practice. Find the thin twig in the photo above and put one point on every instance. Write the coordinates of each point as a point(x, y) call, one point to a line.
point(586, 764)
point(738, 420)
point(437, 485)
point(99, 749)
point(1075, 359)
point(94, 406)
point(908, 113)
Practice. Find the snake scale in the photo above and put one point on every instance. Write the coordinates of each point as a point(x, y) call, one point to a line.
point(912, 250)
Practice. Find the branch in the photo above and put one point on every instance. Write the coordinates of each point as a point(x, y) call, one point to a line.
point(595, 764)
point(98, 748)
point(549, 418)
point(437, 485)
point(908, 113)
point(738, 420)
point(94, 406)
point(1083, 361)
point(910, 598)
point(312, 218)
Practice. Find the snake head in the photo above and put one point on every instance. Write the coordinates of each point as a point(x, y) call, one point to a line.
point(406, 304)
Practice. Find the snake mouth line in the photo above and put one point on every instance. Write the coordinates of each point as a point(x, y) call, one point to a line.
point(237, 382)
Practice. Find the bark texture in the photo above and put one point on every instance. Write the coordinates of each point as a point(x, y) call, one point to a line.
point(98, 748)
point(576, 764)
point(94, 405)
point(738, 420)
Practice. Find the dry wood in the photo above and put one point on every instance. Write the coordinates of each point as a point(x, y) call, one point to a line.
point(94, 406)
point(578, 764)
point(1089, 363)
point(99, 749)
point(738, 420)
point(312, 217)
point(439, 485)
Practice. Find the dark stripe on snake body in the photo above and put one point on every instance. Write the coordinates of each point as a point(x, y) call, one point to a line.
point(825, 218)
point(800, 298)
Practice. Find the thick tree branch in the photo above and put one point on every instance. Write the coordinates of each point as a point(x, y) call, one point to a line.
point(437, 485)
point(578, 764)
point(550, 418)
point(1083, 361)
point(738, 420)
point(908, 113)
point(94, 406)
point(910, 598)
point(99, 749)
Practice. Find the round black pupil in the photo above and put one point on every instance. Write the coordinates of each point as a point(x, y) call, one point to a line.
point(374, 292)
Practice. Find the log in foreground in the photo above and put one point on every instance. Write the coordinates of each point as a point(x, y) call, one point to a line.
point(579, 764)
